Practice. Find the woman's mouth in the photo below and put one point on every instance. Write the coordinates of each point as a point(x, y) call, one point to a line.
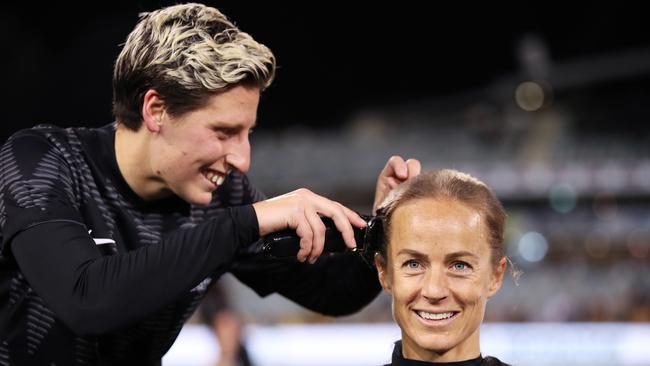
point(436, 318)
point(214, 177)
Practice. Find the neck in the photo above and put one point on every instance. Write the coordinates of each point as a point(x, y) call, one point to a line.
point(468, 349)
point(134, 162)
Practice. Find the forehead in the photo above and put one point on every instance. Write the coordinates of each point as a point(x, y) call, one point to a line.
point(437, 225)
point(235, 106)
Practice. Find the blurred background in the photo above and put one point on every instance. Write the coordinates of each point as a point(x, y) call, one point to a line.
point(548, 105)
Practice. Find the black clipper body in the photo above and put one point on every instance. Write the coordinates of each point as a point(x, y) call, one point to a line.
point(286, 243)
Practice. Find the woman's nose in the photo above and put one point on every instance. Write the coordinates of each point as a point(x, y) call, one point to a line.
point(435, 286)
point(238, 155)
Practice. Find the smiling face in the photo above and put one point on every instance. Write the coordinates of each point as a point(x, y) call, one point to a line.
point(192, 154)
point(440, 275)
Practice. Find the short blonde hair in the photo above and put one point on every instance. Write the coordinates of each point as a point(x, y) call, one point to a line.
point(187, 53)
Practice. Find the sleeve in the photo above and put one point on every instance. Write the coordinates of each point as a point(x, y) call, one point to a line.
point(336, 285)
point(94, 294)
point(35, 186)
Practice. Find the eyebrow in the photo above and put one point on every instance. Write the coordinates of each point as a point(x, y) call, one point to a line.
point(234, 129)
point(411, 252)
point(460, 254)
point(449, 257)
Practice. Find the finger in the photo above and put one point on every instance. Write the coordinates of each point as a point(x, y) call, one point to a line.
point(396, 167)
point(342, 219)
point(352, 216)
point(393, 182)
point(306, 236)
point(318, 230)
point(340, 215)
point(414, 167)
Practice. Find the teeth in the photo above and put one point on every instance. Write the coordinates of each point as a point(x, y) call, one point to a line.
point(215, 178)
point(435, 316)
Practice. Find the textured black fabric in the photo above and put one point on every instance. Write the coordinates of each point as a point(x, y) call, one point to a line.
point(399, 360)
point(92, 274)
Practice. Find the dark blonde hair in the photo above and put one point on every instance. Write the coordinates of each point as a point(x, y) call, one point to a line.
point(454, 185)
point(187, 53)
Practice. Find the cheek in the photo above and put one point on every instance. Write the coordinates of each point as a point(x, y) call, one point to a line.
point(203, 150)
point(468, 291)
point(405, 290)
point(211, 148)
point(196, 139)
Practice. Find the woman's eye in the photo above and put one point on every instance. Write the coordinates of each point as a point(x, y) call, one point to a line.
point(221, 135)
point(412, 264)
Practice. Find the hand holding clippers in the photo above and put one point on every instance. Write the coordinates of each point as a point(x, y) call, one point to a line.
point(286, 243)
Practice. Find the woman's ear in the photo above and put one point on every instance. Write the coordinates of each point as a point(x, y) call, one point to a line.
point(153, 109)
point(497, 277)
point(384, 280)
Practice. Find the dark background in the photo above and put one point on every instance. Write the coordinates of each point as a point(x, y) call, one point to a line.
point(333, 58)
point(442, 81)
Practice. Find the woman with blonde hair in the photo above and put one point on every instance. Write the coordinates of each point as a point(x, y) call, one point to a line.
point(111, 236)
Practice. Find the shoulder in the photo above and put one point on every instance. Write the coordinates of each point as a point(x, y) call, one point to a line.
point(69, 141)
point(43, 149)
point(42, 130)
point(26, 145)
point(55, 133)
point(41, 135)
point(36, 133)
point(35, 143)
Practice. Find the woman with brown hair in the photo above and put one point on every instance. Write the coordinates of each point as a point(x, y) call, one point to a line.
point(442, 258)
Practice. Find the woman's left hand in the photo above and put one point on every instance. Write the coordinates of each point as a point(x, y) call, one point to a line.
point(395, 172)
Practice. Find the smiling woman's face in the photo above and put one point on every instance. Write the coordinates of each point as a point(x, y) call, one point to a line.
point(440, 275)
point(195, 152)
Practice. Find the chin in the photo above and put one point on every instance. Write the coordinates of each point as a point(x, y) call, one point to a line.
point(436, 343)
point(202, 201)
point(436, 347)
point(198, 198)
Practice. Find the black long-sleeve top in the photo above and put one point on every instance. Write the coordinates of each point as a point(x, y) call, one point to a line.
point(399, 360)
point(92, 274)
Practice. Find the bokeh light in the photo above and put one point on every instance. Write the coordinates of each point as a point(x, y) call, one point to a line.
point(533, 246)
point(529, 96)
point(562, 198)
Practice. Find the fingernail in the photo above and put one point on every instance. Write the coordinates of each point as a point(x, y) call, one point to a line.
point(313, 260)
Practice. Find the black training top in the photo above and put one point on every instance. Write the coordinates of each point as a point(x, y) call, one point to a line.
point(92, 274)
point(399, 360)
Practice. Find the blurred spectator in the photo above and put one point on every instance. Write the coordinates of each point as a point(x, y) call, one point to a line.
point(216, 313)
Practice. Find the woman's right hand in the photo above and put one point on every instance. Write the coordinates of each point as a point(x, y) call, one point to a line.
point(301, 210)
